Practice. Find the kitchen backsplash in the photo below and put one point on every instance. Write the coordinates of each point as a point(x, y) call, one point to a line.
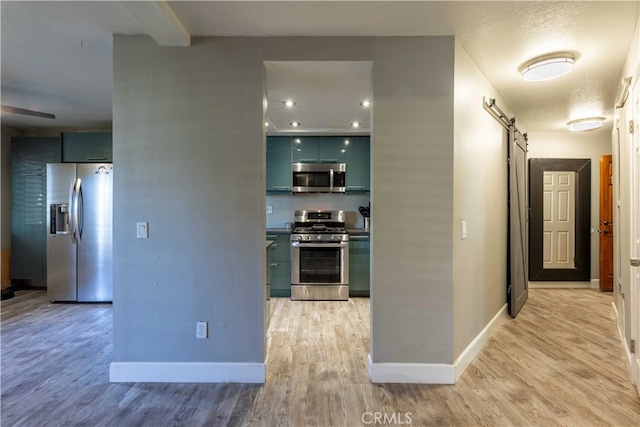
point(285, 205)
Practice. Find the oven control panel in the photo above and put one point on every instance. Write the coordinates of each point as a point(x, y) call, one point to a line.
point(319, 237)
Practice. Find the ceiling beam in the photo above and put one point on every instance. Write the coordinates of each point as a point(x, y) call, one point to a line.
point(16, 110)
point(159, 21)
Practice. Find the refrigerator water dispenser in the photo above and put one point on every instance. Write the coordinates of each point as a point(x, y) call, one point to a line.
point(60, 219)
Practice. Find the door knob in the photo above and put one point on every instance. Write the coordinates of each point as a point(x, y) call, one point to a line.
point(635, 262)
point(606, 232)
point(605, 222)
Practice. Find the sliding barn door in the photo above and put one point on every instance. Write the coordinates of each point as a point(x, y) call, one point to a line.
point(518, 222)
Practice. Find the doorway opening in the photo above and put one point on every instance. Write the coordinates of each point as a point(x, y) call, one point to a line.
point(318, 113)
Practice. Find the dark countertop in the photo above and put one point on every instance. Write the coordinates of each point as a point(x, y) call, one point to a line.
point(358, 231)
point(352, 231)
point(278, 231)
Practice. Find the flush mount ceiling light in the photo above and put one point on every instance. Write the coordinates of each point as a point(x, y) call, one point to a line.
point(295, 124)
point(589, 123)
point(365, 103)
point(548, 67)
point(289, 103)
point(355, 124)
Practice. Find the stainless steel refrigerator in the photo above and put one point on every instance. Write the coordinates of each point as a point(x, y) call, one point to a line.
point(79, 237)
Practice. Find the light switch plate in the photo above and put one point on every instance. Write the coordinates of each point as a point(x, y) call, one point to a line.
point(142, 230)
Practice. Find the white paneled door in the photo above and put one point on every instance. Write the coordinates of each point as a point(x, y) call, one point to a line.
point(558, 207)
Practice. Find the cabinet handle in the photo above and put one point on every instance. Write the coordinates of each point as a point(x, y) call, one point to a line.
point(355, 187)
point(274, 264)
point(96, 158)
point(271, 236)
point(328, 160)
point(281, 187)
point(358, 237)
point(273, 245)
point(309, 160)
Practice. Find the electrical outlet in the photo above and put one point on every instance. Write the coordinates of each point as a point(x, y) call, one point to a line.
point(201, 330)
point(463, 230)
point(269, 209)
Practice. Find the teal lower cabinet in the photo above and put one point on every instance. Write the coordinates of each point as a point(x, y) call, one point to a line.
point(280, 279)
point(280, 264)
point(359, 274)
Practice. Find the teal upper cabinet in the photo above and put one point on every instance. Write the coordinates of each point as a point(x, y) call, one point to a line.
point(332, 149)
point(87, 147)
point(282, 151)
point(358, 164)
point(29, 158)
point(278, 164)
point(305, 149)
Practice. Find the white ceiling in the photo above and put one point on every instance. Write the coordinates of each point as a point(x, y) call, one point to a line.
point(57, 56)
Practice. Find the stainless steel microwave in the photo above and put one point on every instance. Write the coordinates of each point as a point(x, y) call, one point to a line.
point(319, 177)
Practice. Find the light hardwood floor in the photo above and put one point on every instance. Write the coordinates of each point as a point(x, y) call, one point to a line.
point(559, 363)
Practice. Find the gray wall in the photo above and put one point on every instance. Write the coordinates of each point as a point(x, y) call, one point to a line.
point(480, 199)
point(189, 151)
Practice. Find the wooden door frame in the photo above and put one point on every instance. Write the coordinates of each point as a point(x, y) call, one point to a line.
point(582, 270)
point(605, 160)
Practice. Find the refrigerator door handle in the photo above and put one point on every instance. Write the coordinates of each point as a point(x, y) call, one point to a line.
point(77, 211)
point(72, 210)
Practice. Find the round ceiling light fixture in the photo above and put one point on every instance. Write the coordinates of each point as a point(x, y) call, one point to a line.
point(365, 103)
point(548, 67)
point(295, 124)
point(355, 124)
point(589, 123)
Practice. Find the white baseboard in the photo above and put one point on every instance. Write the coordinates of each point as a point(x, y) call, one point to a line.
point(473, 349)
point(623, 341)
point(434, 373)
point(562, 285)
point(186, 372)
point(414, 373)
point(595, 283)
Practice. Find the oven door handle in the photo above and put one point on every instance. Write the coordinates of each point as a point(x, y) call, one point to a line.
point(319, 245)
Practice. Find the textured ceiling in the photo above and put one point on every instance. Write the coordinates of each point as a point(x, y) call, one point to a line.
point(56, 56)
point(327, 96)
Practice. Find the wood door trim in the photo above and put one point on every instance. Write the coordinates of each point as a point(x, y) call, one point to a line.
point(582, 270)
point(606, 214)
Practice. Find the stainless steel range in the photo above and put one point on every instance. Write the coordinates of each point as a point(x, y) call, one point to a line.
point(319, 256)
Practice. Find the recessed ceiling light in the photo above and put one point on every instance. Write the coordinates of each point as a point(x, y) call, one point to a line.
point(266, 124)
point(589, 123)
point(295, 124)
point(355, 124)
point(346, 142)
point(289, 103)
point(297, 140)
point(548, 67)
point(365, 103)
